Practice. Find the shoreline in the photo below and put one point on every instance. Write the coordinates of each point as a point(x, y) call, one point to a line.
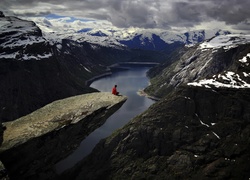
point(117, 66)
point(141, 92)
point(88, 82)
point(134, 63)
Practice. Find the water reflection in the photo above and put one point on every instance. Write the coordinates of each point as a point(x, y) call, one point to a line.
point(129, 82)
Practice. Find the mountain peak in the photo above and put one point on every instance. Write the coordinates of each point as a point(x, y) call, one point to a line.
point(17, 37)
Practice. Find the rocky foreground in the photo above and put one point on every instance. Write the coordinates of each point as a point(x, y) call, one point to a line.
point(34, 143)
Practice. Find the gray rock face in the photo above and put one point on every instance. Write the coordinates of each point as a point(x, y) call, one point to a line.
point(193, 133)
point(197, 64)
point(34, 143)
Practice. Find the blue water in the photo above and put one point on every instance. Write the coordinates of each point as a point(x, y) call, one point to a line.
point(128, 83)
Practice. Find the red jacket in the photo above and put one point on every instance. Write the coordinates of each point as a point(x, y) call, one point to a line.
point(114, 91)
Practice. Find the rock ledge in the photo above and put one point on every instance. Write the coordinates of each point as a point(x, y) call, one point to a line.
point(52, 132)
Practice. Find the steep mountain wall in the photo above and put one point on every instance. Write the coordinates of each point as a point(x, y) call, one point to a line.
point(196, 64)
point(199, 129)
point(194, 133)
point(31, 72)
point(34, 143)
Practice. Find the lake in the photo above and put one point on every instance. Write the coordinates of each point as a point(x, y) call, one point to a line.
point(128, 83)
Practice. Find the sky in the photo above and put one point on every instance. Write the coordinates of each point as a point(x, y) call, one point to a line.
point(172, 15)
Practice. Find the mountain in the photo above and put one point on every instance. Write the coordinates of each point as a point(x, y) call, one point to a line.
point(36, 69)
point(205, 64)
point(198, 130)
point(33, 72)
point(145, 39)
point(165, 40)
point(109, 36)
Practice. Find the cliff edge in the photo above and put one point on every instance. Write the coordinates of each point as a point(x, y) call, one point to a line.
point(42, 138)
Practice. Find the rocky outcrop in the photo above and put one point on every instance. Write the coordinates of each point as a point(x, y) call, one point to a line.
point(34, 143)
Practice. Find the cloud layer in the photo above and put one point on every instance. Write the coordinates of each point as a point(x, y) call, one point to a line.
point(165, 14)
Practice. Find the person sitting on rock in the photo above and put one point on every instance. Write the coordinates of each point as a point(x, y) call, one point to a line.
point(114, 90)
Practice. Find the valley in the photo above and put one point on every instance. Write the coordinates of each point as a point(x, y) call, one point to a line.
point(129, 82)
point(199, 128)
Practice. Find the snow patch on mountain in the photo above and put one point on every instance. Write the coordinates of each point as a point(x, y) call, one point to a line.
point(244, 59)
point(16, 36)
point(37, 57)
point(8, 24)
point(227, 79)
point(16, 42)
point(225, 41)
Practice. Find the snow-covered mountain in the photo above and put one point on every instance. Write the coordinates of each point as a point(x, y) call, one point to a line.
point(221, 62)
point(234, 77)
point(108, 35)
point(18, 38)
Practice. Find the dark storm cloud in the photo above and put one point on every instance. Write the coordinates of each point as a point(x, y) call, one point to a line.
point(229, 11)
point(141, 13)
point(133, 13)
point(31, 14)
point(186, 14)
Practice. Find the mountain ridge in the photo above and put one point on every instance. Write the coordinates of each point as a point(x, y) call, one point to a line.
point(120, 37)
point(207, 60)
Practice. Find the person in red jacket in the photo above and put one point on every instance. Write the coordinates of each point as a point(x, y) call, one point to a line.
point(114, 90)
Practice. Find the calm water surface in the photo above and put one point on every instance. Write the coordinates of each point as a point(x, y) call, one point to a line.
point(128, 83)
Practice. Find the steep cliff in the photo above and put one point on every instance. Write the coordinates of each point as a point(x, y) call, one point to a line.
point(194, 133)
point(34, 143)
point(217, 56)
point(31, 71)
point(199, 130)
